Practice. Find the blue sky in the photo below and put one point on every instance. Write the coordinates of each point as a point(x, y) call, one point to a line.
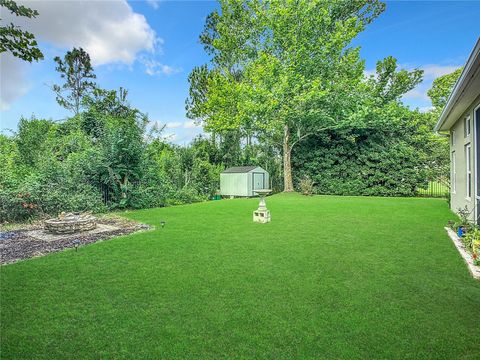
point(150, 47)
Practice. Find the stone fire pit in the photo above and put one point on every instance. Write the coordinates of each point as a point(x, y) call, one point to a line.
point(69, 223)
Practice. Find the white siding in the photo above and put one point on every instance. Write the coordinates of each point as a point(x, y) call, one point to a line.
point(234, 184)
point(241, 184)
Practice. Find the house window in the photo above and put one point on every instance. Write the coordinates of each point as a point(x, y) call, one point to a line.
point(468, 168)
point(467, 126)
point(452, 138)
point(454, 173)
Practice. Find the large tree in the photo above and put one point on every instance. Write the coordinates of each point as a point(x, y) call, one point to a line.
point(77, 71)
point(383, 152)
point(441, 89)
point(13, 39)
point(281, 70)
point(439, 157)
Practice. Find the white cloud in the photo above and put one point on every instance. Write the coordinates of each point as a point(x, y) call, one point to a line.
point(425, 109)
point(173, 124)
point(110, 31)
point(13, 83)
point(420, 92)
point(433, 71)
point(154, 3)
point(153, 67)
point(430, 73)
point(418, 97)
point(190, 124)
point(179, 131)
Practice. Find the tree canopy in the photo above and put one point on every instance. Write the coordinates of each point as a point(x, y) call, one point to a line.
point(13, 39)
point(77, 71)
point(441, 89)
point(284, 71)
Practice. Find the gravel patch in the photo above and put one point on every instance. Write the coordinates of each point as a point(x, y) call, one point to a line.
point(30, 241)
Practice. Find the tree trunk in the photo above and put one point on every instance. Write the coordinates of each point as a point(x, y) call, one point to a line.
point(287, 161)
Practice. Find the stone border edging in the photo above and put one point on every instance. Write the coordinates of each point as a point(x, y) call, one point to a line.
point(474, 269)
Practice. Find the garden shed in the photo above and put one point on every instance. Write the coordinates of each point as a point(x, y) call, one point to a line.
point(243, 180)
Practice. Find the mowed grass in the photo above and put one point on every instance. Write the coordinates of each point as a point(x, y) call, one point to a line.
point(329, 277)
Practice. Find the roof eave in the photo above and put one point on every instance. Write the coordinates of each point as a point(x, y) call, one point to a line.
point(455, 94)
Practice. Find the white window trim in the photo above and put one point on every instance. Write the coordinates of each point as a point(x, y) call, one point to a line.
point(468, 171)
point(454, 173)
point(452, 142)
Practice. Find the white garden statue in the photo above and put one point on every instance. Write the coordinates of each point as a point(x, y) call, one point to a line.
point(262, 214)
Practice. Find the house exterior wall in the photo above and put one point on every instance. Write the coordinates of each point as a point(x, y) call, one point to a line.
point(459, 144)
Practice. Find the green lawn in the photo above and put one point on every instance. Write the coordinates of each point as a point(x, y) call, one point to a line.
point(330, 277)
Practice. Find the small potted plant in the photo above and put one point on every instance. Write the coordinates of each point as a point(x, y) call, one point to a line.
point(464, 225)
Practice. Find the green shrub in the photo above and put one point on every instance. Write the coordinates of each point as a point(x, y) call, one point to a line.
point(40, 196)
point(17, 206)
point(186, 195)
point(372, 161)
point(144, 196)
point(472, 237)
point(306, 186)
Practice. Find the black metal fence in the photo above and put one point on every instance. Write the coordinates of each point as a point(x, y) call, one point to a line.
point(106, 195)
point(435, 189)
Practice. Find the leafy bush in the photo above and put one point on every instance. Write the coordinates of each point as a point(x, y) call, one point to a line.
point(40, 199)
point(146, 196)
point(306, 186)
point(476, 251)
point(364, 166)
point(186, 195)
point(16, 206)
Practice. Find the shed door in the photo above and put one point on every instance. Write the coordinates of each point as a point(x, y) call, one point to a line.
point(258, 181)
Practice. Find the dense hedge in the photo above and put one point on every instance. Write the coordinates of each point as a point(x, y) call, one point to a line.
point(361, 163)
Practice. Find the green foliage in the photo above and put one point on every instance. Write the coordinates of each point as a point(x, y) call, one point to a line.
point(11, 166)
point(378, 160)
point(49, 192)
point(267, 97)
point(286, 71)
point(472, 237)
point(18, 42)
point(77, 71)
point(306, 186)
point(464, 214)
point(476, 250)
point(122, 147)
point(390, 84)
point(441, 89)
point(103, 155)
point(386, 150)
point(32, 139)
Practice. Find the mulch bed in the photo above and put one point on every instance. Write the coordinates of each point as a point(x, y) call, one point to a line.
point(17, 244)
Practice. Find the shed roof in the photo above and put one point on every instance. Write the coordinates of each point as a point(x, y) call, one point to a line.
point(239, 169)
